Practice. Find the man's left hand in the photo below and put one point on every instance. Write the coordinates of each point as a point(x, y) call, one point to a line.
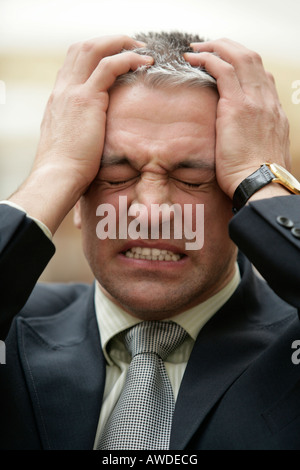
point(251, 127)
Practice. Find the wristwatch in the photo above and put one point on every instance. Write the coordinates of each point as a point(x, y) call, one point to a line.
point(267, 173)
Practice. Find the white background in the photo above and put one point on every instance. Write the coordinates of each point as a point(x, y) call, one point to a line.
point(270, 26)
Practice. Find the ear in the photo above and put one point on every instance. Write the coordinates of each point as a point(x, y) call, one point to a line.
point(77, 215)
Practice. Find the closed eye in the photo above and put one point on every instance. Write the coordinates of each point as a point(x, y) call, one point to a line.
point(120, 183)
point(187, 183)
point(191, 185)
point(116, 183)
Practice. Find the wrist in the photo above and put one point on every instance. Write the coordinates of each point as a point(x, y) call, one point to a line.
point(271, 190)
point(47, 195)
point(269, 180)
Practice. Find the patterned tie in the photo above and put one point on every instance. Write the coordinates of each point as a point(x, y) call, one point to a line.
point(142, 417)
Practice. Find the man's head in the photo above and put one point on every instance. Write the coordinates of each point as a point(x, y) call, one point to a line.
point(159, 149)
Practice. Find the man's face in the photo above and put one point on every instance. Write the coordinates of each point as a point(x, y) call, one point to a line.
point(159, 148)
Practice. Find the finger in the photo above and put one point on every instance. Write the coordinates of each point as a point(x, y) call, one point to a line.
point(91, 53)
point(111, 67)
point(272, 85)
point(85, 56)
point(228, 50)
point(64, 72)
point(212, 46)
point(248, 64)
point(227, 80)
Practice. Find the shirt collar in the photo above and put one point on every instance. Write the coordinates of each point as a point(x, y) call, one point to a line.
point(112, 319)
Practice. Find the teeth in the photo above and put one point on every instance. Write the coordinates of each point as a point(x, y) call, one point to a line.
point(153, 254)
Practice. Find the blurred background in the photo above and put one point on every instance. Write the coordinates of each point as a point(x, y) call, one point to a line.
point(35, 36)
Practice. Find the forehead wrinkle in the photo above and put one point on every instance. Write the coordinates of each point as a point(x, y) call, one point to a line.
point(195, 164)
point(114, 160)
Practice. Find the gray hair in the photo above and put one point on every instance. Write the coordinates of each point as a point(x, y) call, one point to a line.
point(170, 69)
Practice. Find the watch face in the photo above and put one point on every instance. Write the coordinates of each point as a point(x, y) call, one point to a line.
point(285, 177)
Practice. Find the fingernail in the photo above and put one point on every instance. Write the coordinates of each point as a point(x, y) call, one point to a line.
point(188, 55)
point(149, 59)
point(141, 44)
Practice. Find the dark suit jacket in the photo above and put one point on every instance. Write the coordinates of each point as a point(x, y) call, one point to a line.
point(240, 390)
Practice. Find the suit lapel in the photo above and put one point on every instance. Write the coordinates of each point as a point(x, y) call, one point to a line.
point(65, 374)
point(224, 349)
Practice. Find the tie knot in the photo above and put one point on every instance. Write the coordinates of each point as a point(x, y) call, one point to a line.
point(157, 337)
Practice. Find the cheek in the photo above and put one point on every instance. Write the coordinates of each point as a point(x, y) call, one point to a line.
point(97, 252)
point(100, 212)
point(217, 214)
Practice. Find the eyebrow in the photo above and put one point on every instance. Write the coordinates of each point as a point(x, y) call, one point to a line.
point(107, 161)
point(196, 164)
point(114, 160)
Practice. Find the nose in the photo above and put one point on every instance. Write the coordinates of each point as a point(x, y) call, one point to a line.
point(152, 201)
point(152, 189)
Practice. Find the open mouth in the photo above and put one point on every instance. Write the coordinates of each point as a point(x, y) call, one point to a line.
point(152, 254)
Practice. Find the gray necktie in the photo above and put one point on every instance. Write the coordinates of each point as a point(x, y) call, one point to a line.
point(142, 417)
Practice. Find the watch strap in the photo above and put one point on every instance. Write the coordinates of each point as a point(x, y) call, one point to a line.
point(250, 185)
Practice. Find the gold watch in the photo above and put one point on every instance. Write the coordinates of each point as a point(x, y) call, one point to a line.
point(267, 173)
point(282, 176)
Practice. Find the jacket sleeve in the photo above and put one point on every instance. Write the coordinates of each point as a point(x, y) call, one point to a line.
point(24, 253)
point(266, 232)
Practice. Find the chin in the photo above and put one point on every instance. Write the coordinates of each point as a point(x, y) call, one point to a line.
point(150, 306)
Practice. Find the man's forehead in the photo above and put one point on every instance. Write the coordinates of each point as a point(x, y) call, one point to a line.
point(162, 127)
point(147, 97)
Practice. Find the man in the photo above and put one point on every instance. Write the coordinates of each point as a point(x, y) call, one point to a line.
point(193, 127)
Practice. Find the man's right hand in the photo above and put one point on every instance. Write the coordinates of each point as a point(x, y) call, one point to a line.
point(73, 128)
